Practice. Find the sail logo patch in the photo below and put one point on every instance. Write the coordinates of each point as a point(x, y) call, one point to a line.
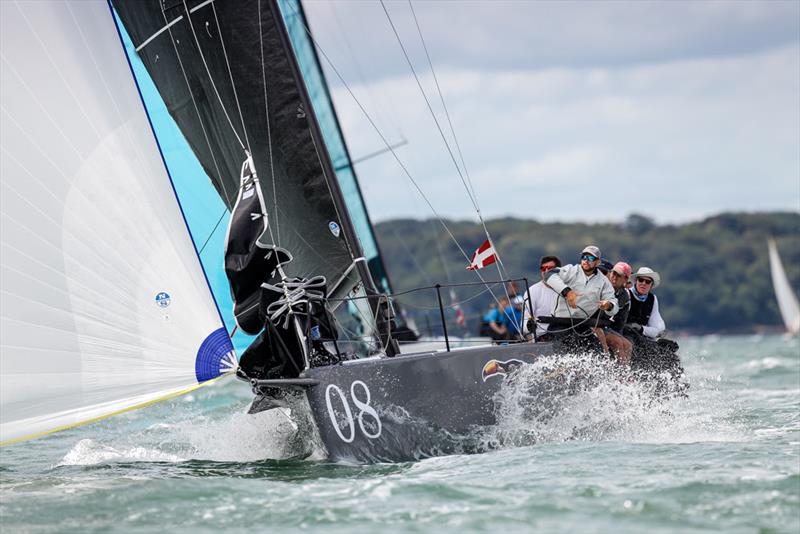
point(163, 299)
point(334, 228)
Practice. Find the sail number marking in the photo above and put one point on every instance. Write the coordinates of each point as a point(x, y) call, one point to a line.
point(363, 407)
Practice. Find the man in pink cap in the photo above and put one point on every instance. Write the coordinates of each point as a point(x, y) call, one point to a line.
point(616, 343)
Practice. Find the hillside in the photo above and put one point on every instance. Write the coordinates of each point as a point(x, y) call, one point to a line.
point(715, 272)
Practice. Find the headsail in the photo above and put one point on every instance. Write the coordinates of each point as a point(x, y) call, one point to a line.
point(787, 299)
point(104, 304)
point(224, 71)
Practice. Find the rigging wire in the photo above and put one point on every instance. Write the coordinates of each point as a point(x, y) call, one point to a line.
point(470, 194)
point(269, 134)
point(468, 184)
point(394, 154)
point(227, 64)
point(194, 103)
point(208, 72)
point(471, 188)
point(210, 235)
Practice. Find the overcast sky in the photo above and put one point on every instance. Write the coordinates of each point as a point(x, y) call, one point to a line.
point(573, 110)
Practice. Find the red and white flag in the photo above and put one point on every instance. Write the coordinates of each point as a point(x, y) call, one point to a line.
point(485, 255)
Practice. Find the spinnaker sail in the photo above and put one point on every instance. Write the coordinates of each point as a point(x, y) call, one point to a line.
point(105, 306)
point(787, 299)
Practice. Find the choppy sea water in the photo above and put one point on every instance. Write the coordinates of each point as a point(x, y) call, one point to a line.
point(724, 459)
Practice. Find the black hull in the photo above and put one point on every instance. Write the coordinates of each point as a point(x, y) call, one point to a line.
point(411, 406)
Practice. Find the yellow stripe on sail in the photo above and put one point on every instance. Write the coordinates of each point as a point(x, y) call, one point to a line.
point(117, 412)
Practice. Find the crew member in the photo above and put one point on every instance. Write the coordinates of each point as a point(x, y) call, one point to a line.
point(583, 288)
point(498, 322)
point(644, 317)
point(620, 347)
point(540, 297)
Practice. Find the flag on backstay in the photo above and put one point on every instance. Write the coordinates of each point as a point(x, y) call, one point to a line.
point(485, 255)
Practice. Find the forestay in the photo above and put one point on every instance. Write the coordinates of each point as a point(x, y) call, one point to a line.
point(104, 304)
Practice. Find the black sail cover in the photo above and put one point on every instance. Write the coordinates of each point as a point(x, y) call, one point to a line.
point(224, 71)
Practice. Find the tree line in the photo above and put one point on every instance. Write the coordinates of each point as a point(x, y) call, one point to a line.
point(715, 272)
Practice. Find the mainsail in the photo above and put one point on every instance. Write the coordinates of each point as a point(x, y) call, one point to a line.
point(105, 306)
point(224, 70)
point(787, 299)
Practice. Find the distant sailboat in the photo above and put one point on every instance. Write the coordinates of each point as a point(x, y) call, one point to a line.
point(787, 299)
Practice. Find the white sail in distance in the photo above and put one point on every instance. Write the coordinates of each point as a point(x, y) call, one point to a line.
point(105, 306)
point(787, 299)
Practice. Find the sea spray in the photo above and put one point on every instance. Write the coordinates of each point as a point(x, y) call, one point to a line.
point(580, 397)
point(216, 429)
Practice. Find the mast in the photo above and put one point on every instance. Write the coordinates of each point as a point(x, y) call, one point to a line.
point(308, 60)
point(379, 306)
point(358, 204)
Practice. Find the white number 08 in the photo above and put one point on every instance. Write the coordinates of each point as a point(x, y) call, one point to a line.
point(362, 406)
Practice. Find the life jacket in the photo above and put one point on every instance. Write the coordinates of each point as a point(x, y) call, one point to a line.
point(640, 311)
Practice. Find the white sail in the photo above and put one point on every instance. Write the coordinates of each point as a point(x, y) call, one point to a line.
point(787, 299)
point(104, 306)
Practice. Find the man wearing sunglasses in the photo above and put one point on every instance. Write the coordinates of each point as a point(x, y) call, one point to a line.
point(541, 296)
point(644, 317)
point(583, 288)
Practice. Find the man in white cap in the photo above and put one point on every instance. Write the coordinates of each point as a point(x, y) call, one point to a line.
point(583, 288)
point(644, 317)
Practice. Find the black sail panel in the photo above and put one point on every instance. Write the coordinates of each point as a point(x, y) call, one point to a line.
point(223, 70)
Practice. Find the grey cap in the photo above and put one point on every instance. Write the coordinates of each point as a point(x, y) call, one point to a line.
point(593, 250)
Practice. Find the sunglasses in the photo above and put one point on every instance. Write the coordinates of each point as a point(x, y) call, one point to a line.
point(645, 281)
point(588, 257)
point(545, 268)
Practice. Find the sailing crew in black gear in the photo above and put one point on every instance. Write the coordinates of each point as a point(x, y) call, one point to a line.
point(644, 317)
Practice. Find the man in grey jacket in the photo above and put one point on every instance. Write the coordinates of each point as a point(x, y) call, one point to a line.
point(583, 288)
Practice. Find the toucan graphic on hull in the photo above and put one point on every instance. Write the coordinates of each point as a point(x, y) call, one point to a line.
point(498, 368)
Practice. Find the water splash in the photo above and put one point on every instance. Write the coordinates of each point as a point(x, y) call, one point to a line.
point(577, 397)
point(215, 434)
point(89, 452)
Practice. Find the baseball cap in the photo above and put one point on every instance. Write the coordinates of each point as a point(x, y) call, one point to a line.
point(622, 268)
point(593, 250)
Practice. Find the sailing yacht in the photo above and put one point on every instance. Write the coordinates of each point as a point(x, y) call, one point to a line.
point(119, 285)
point(784, 293)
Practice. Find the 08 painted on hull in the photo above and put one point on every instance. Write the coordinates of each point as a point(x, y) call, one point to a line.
point(411, 406)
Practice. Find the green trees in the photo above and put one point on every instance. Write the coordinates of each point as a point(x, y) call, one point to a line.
point(715, 272)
